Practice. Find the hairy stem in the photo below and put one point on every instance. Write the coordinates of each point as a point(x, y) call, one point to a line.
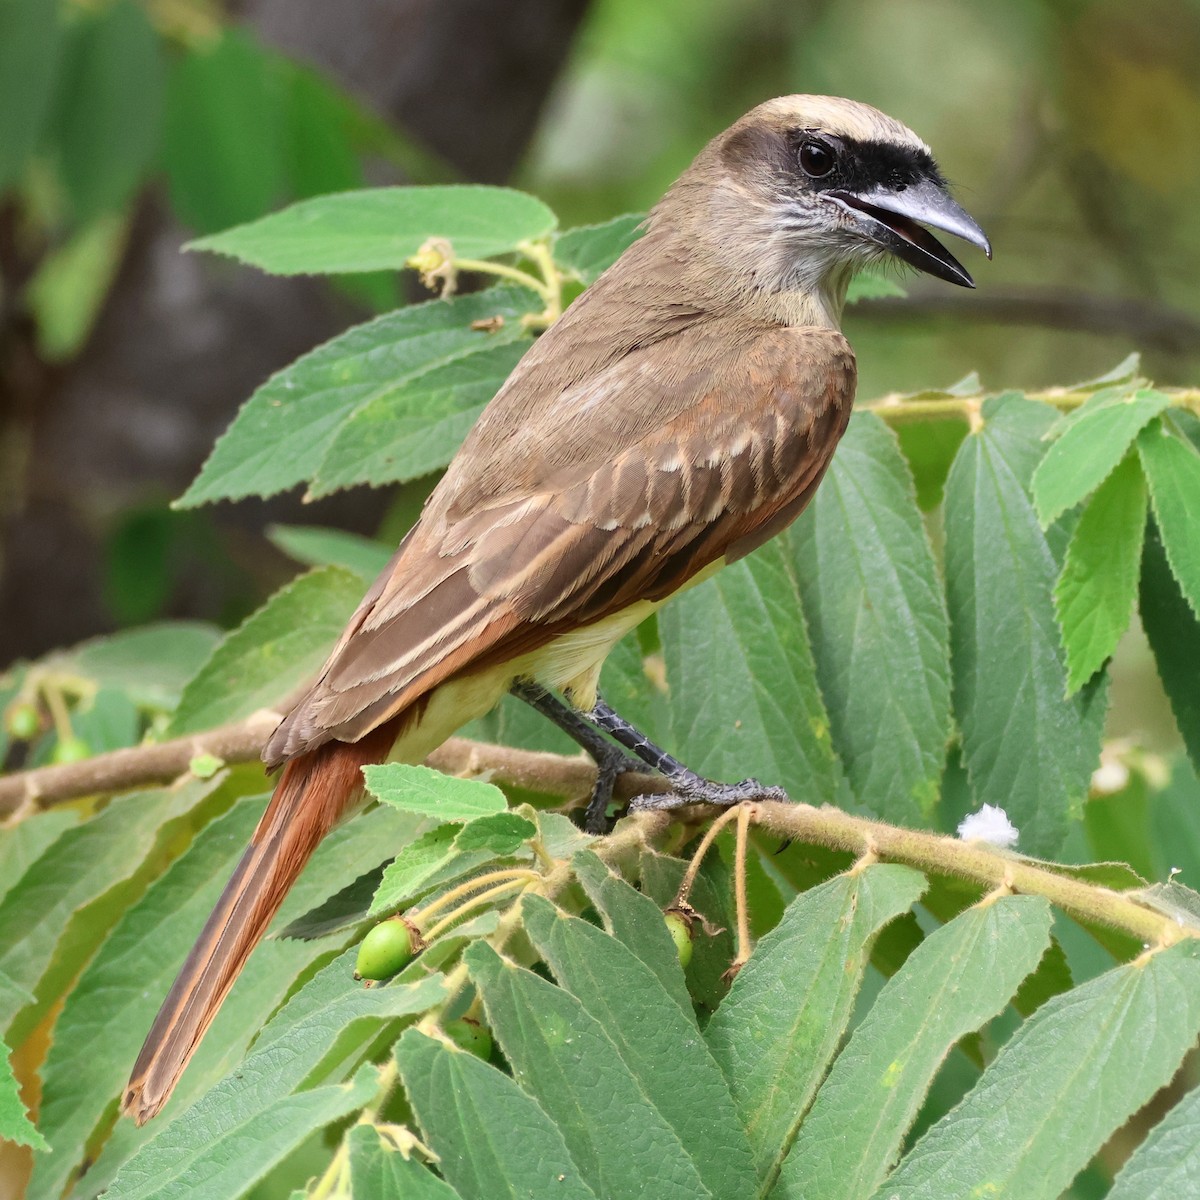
point(572, 778)
point(898, 409)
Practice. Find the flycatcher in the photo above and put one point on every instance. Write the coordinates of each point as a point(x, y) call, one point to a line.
point(680, 413)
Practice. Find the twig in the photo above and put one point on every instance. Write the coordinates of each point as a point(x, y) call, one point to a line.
point(1144, 322)
point(975, 861)
point(899, 409)
point(164, 762)
point(572, 777)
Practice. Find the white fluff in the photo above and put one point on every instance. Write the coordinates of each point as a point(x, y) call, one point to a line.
point(990, 824)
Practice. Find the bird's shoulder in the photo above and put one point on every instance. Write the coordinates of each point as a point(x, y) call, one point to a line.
point(706, 377)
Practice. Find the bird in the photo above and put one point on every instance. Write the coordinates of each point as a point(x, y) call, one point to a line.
point(681, 412)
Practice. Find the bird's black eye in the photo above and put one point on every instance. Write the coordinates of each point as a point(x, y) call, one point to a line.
point(816, 159)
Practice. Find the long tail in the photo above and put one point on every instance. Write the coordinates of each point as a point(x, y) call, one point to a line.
point(314, 793)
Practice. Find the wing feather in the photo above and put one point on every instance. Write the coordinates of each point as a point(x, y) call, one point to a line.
point(638, 478)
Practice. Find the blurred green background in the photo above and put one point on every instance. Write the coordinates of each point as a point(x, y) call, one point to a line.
point(1071, 129)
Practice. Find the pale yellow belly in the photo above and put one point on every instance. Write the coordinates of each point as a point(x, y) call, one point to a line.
point(570, 664)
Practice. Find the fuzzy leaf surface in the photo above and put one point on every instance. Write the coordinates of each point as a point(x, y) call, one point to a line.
point(1167, 1164)
point(1072, 1074)
point(744, 699)
point(380, 228)
point(563, 1058)
point(877, 617)
point(237, 1131)
point(1172, 467)
point(1095, 593)
point(589, 250)
point(658, 1044)
point(494, 1141)
point(282, 434)
point(780, 1025)
point(960, 976)
point(1091, 442)
point(1027, 749)
point(271, 652)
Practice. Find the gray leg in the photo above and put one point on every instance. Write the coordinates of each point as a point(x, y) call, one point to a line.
point(609, 758)
point(688, 787)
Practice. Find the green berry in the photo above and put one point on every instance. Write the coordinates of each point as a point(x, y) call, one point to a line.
point(22, 722)
point(679, 926)
point(70, 749)
point(471, 1036)
point(386, 949)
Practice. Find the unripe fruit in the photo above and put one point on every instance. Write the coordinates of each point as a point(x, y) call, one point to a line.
point(679, 926)
point(21, 721)
point(469, 1034)
point(387, 948)
point(70, 749)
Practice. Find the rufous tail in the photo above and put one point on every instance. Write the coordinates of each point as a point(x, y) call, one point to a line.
point(315, 791)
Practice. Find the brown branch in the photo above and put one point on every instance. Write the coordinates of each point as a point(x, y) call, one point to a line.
point(1142, 321)
point(163, 762)
point(572, 778)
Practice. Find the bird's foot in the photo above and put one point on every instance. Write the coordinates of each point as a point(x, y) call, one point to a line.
point(689, 788)
point(611, 762)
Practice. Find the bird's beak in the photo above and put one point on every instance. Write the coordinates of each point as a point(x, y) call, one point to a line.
point(891, 219)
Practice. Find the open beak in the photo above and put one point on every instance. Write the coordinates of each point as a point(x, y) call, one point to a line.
point(891, 219)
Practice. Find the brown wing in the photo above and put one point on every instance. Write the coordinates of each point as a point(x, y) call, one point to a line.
point(698, 448)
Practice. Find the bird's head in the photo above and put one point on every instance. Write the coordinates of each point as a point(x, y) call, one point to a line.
point(805, 190)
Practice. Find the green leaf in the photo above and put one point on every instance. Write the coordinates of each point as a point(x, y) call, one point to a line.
point(23, 843)
point(1172, 467)
point(785, 1014)
point(110, 1009)
point(1094, 596)
point(562, 1057)
point(283, 432)
point(71, 283)
point(384, 227)
point(271, 652)
point(235, 1133)
point(878, 623)
point(211, 1169)
point(1027, 748)
point(744, 698)
point(321, 153)
point(401, 436)
point(502, 834)
point(262, 984)
point(492, 1140)
point(930, 447)
point(871, 285)
point(1167, 1164)
point(655, 1041)
point(223, 143)
point(423, 790)
point(1091, 442)
point(151, 664)
point(81, 873)
point(589, 250)
point(432, 861)
point(636, 922)
point(15, 1125)
point(109, 721)
point(379, 1171)
point(314, 546)
point(1070, 1076)
point(29, 53)
point(960, 976)
point(1174, 635)
point(109, 107)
